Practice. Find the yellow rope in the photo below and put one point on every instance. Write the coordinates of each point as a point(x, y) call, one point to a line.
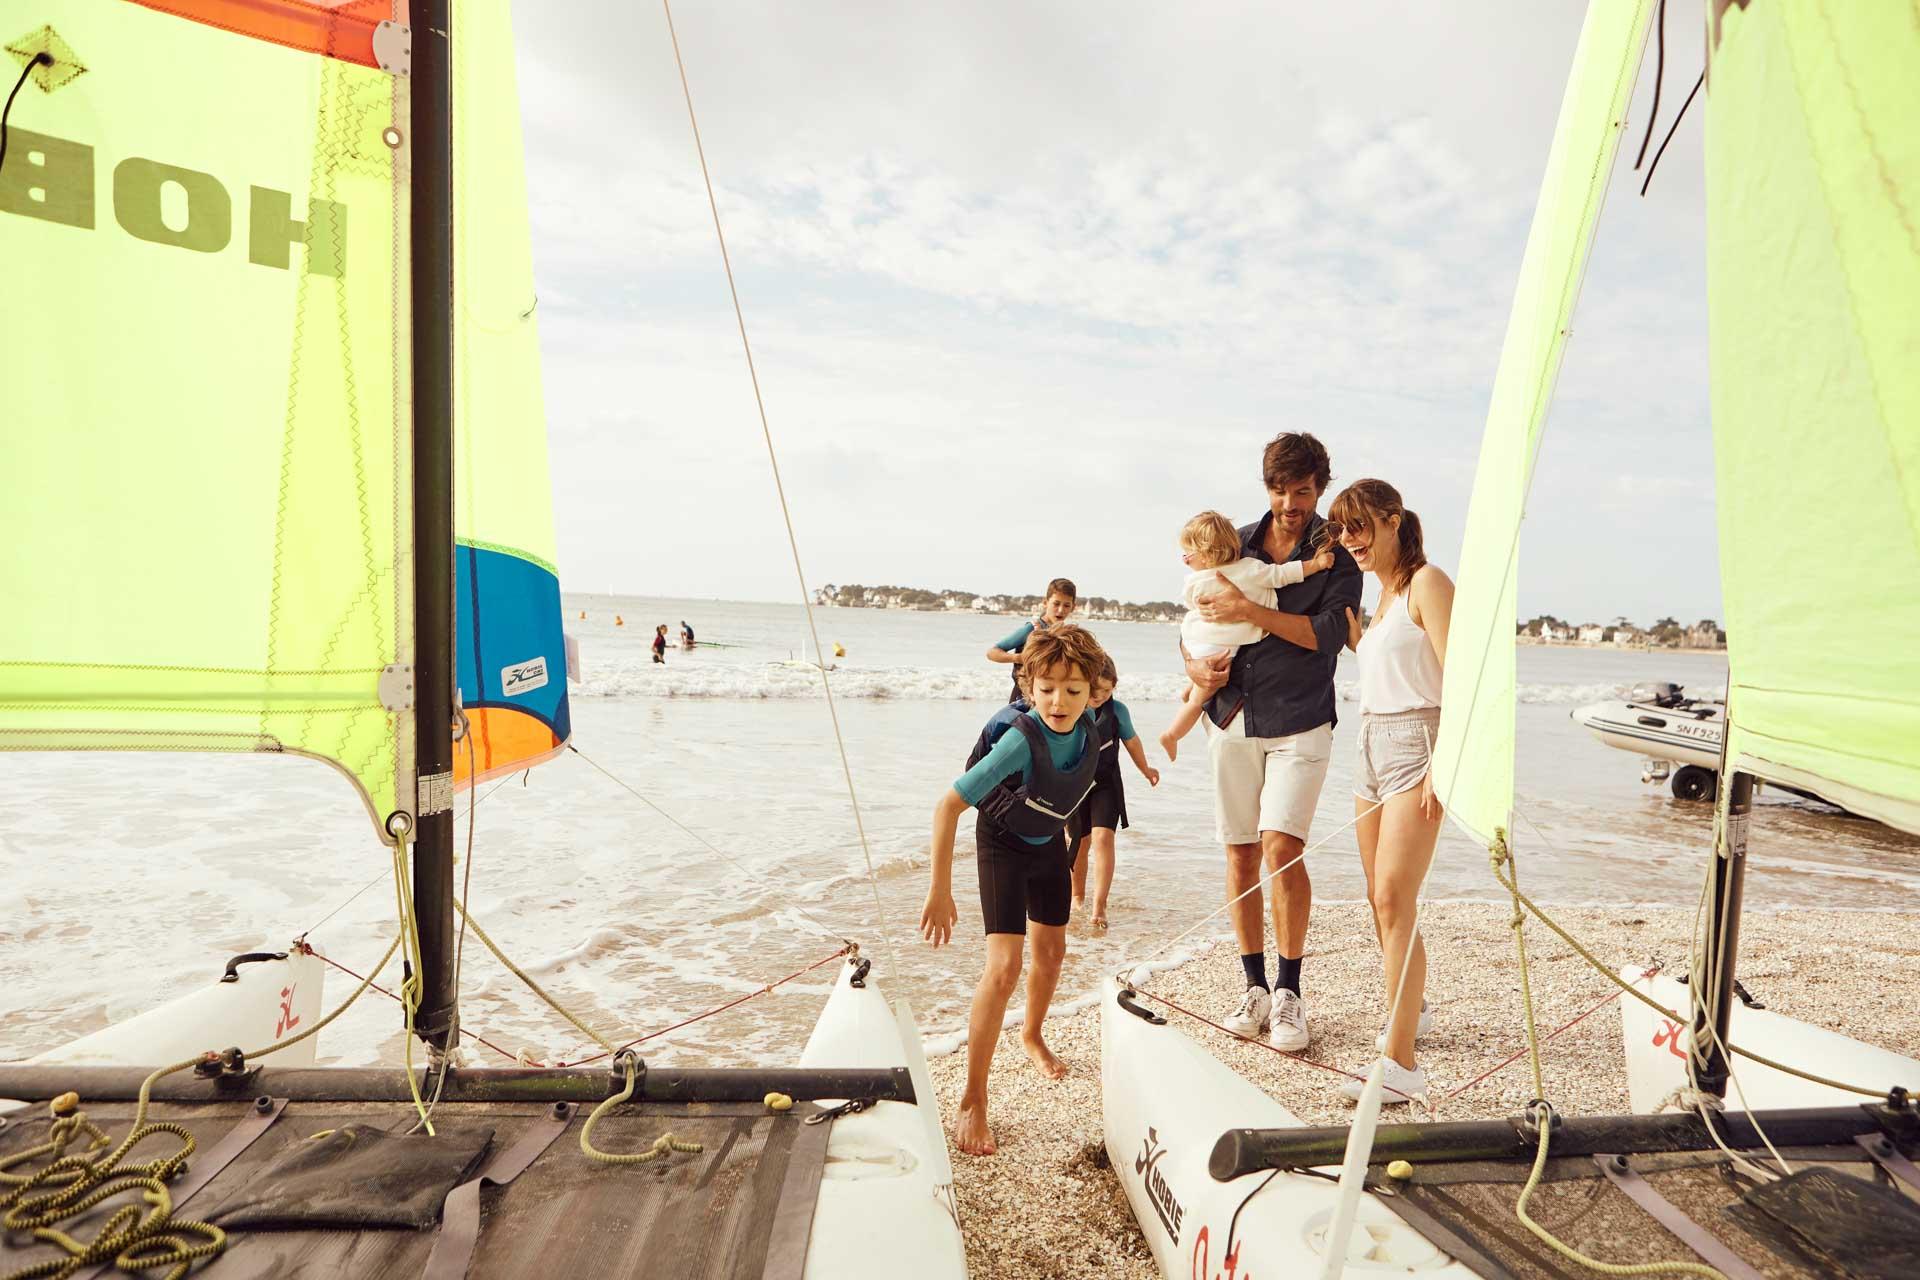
point(410, 984)
point(661, 1145)
point(1647, 1000)
point(533, 986)
point(1501, 856)
point(131, 1242)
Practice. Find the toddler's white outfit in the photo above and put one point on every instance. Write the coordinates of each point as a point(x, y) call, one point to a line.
point(1257, 580)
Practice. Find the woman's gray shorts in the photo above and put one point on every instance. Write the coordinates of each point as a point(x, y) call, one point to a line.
point(1394, 752)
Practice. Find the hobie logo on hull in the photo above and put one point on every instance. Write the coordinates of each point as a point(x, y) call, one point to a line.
point(523, 677)
point(1159, 1194)
point(53, 179)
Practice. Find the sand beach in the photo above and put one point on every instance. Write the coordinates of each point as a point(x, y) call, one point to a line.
point(1048, 1205)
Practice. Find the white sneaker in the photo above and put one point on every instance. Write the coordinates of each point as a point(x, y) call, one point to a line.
point(1289, 1022)
point(1399, 1085)
point(1250, 1019)
point(1420, 1028)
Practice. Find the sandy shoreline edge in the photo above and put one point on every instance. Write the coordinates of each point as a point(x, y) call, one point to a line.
point(1049, 1206)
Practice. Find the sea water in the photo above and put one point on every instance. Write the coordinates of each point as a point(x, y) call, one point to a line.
point(130, 879)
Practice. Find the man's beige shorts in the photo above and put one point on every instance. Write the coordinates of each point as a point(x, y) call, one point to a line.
point(1266, 784)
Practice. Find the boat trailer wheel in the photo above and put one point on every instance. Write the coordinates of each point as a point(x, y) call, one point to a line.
point(1695, 783)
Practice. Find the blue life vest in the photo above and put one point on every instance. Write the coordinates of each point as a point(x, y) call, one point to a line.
point(1037, 806)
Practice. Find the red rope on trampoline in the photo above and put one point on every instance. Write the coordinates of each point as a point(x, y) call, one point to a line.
point(709, 1013)
point(511, 1057)
point(1517, 1054)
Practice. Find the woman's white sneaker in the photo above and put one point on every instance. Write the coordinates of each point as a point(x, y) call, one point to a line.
point(1399, 1085)
point(1250, 1019)
point(1289, 1018)
point(1420, 1028)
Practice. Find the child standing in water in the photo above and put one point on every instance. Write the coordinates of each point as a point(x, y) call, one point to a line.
point(1055, 608)
point(660, 643)
point(1105, 808)
point(1210, 548)
point(1026, 787)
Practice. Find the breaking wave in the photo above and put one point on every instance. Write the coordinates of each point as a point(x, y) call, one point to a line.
point(934, 684)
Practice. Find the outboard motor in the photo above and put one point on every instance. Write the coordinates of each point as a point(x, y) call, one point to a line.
point(1656, 693)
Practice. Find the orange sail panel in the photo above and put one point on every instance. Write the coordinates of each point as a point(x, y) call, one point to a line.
point(342, 29)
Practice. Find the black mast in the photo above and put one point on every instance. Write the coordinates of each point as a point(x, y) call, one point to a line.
point(431, 95)
point(1711, 1025)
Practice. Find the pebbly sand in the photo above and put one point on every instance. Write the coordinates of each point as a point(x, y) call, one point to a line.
point(1048, 1204)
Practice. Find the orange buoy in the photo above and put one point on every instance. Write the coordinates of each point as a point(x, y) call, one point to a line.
point(619, 621)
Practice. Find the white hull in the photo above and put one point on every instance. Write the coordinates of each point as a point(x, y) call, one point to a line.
point(885, 1208)
point(1657, 1053)
point(1166, 1100)
point(1655, 733)
point(268, 1000)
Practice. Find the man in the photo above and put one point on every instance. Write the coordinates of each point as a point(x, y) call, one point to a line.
point(1270, 733)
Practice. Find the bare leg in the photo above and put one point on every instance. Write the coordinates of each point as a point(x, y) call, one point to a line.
point(997, 981)
point(1049, 943)
point(1366, 830)
point(1099, 850)
point(1400, 864)
point(1080, 876)
point(1243, 871)
point(1191, 705)
point(1292, 892)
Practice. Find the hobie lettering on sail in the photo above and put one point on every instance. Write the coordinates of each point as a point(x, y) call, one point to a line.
point(207, 487)
point(1813, 272)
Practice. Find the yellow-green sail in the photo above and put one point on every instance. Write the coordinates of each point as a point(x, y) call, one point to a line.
point(207, 491)
point(1813, 221)
point(1473, 759)
point(206, 494)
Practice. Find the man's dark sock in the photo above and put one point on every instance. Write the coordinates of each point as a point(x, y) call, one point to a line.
point(1255, 963)
point(1288, 979)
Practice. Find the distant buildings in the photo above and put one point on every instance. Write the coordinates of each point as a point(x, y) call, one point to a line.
point(1664, 634)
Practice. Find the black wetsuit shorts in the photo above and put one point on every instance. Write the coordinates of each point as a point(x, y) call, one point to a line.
point(1021, 881)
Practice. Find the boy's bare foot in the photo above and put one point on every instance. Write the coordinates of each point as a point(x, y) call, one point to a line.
point(1170, 745)
point(970, 1132)
point(1050, 1066)
point(1099, 924)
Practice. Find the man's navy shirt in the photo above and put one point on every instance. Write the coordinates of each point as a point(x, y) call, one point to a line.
point(1287, 689)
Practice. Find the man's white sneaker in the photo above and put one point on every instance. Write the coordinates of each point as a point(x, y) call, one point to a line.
point(1400, 1085)
point(1420, 1028)
point(1289, 1018)
point(1250, 1019)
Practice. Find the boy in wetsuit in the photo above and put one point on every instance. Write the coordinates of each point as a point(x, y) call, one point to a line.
point(1024, 859)
point(1105, 808)
point(660, 643)
point(1055, 609)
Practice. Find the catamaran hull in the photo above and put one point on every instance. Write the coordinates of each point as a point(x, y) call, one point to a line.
point(1657, 1049)
point(266, 1001)
point(1165, 1102)
point(885, 1207)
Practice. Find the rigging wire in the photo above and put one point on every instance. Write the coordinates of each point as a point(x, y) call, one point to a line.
point(1659, 78)
point(1670, 132)
point(773, 460)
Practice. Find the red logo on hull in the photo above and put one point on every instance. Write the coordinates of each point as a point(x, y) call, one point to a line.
point(288, 1018)
point(1669, 1036)
point(1202, 1262)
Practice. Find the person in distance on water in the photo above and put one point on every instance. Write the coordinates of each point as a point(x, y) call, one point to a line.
point(686, 635)
point(1055, 608)
point(1271, 718)
point(660, 643)
point(1028, 773)
point(1402, 654)
point(1105, 808)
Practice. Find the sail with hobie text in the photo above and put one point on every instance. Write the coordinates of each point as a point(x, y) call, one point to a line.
point(203, 205)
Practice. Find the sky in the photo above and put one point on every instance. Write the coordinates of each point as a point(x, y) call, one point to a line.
point(1029, 284)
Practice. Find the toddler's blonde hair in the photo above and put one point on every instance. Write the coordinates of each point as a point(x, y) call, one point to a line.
point(1212, 538)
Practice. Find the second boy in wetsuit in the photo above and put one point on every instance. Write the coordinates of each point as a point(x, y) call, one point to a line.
point(1094, 822)
point(1026, 786)
point(1055, 609)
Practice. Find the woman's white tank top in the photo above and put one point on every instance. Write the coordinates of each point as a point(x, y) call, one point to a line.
point(1398, 671)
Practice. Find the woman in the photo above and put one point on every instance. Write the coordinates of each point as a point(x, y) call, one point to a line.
point(1401, 655)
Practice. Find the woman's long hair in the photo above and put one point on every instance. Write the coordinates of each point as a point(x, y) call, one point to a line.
point(1364, 501)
